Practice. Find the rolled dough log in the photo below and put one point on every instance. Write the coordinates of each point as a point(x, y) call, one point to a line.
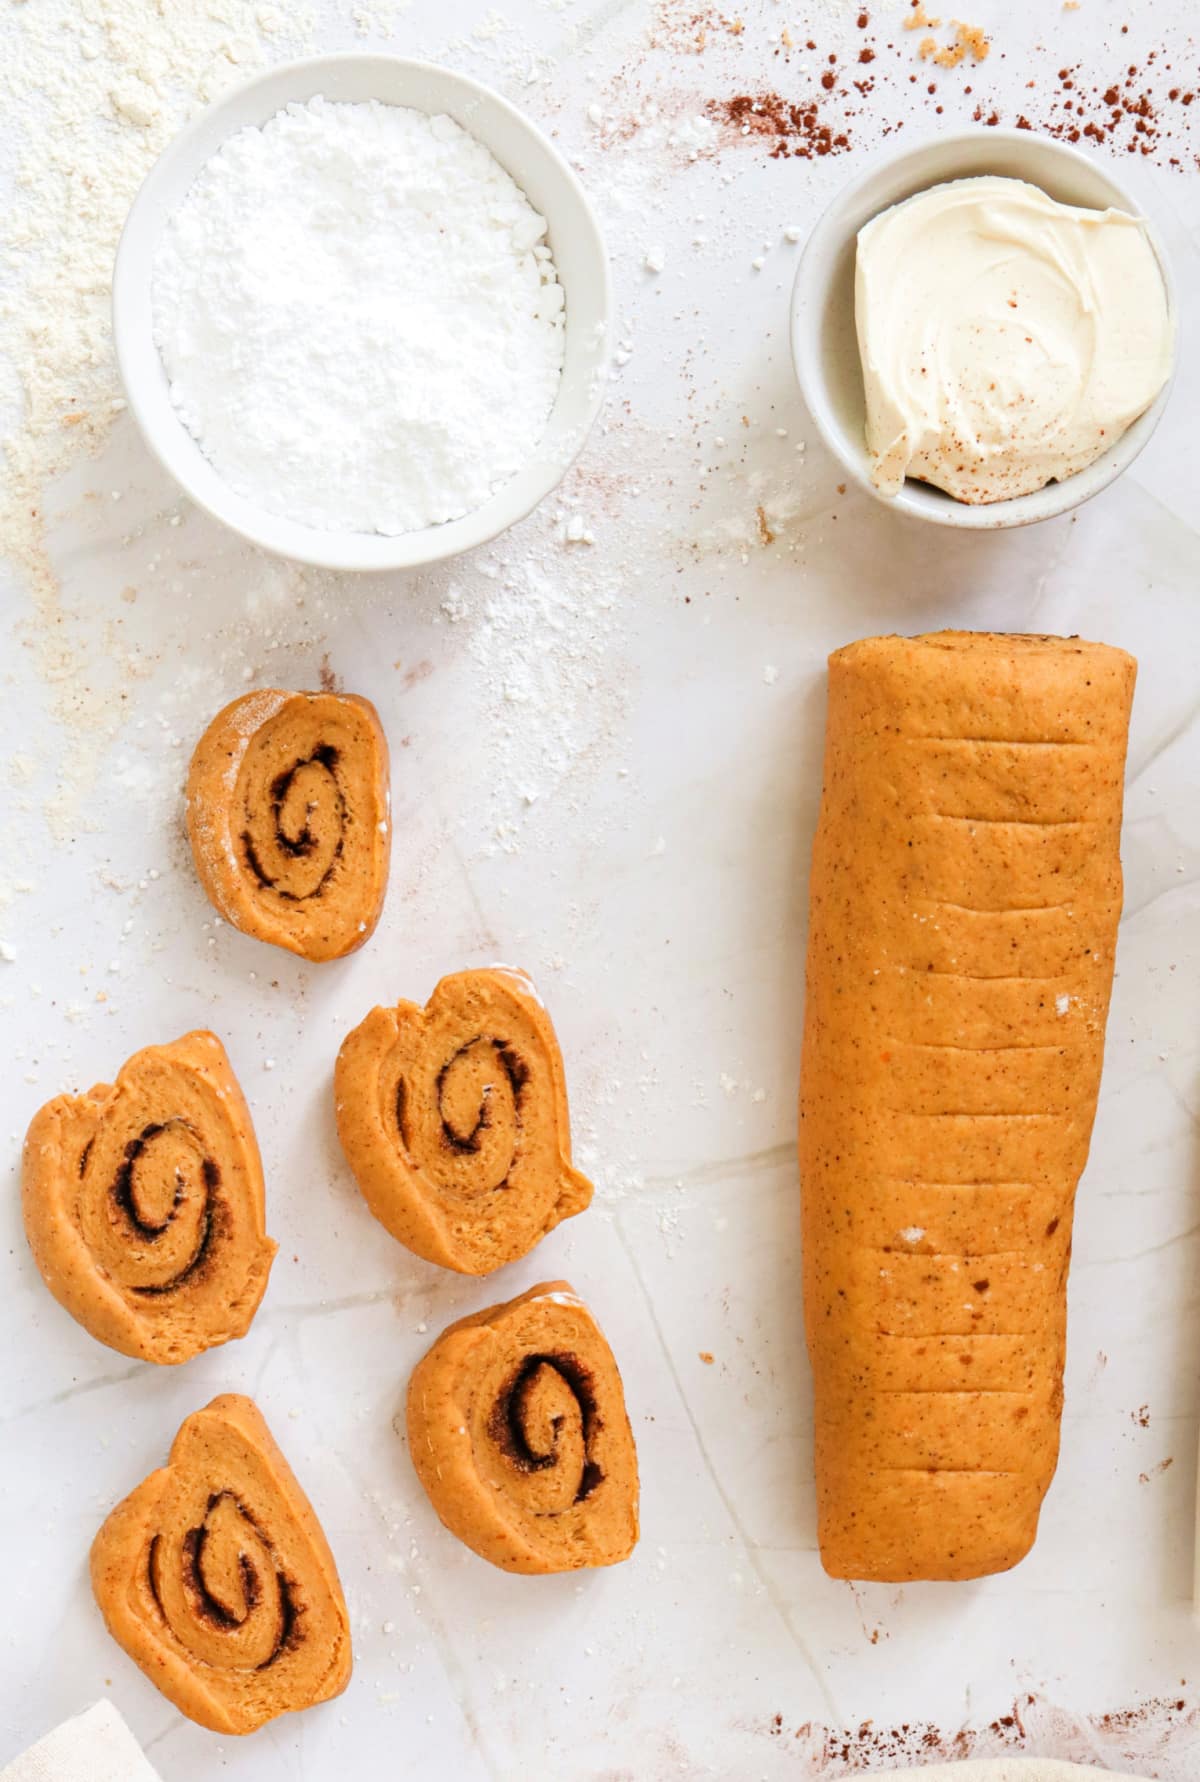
point(965, 894)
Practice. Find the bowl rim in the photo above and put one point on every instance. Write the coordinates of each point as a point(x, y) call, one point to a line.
point(921, 501)
point(345, 550)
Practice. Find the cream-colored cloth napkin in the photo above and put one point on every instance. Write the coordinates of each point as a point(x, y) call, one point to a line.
point(94, 1747)
point(999, 1769)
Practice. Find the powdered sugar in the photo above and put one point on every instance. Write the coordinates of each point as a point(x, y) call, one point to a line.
point(548, 690)
point(360, 317)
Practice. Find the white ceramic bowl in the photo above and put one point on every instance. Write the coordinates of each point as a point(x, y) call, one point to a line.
point(574, 238)
point(825, 347)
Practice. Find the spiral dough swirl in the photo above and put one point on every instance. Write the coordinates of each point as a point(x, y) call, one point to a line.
point(454, 1120)
point(544, 1421)
point(215, 1577)
point(288, 817)
point(220, 1591)
point(144, 1204)
point(518, 1431)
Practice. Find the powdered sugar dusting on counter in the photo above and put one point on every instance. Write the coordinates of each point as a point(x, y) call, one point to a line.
point(360, 317)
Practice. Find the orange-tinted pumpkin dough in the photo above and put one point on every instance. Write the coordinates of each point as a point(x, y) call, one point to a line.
point(215, 1577)
point(143, 1203)
point(964, 900)
point(454, 1120)
point(288, 815)
point(518, 1430)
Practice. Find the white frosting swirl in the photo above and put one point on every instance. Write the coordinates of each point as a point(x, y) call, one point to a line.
point(1007, 340)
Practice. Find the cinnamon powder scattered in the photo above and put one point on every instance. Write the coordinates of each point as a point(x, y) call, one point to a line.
point(1141, 112)
point(791, 129)
point(864, 93)
point(681, 26)
point(1144, 1730)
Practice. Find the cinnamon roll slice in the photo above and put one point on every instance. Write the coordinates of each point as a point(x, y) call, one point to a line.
point(289, 819)
point(454, 1120)
point(143, 1203)
point(215, 1577)
point(518, 1430)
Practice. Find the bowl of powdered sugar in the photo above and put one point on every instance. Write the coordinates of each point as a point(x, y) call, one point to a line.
point(361, 312)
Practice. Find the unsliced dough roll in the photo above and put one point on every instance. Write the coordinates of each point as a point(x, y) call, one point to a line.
point(964, 900)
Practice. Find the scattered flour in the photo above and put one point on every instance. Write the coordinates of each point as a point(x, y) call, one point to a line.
point(116, 79)
point(92, 91)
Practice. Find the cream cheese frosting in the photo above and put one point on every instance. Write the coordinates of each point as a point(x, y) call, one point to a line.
point(1006, 340)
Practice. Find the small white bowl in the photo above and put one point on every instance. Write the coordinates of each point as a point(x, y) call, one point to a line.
point(574, 238)
point(825, 346)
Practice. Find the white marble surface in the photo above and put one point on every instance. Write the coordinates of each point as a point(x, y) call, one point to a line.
point(660, 691)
